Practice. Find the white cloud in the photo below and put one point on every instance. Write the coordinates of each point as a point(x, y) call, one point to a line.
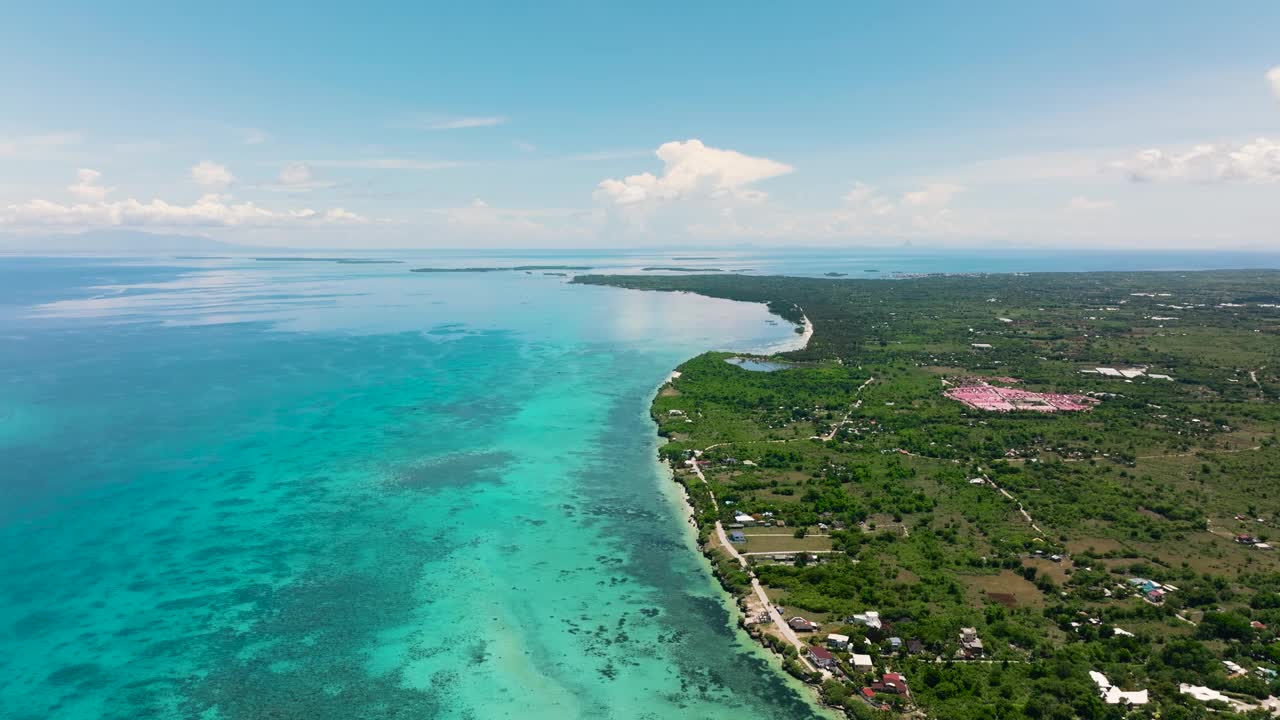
point(935, 195)
point(1256, 161)
point(693, 170)
point(865, 199)
point(209, 210)
point(1080, 203)
point(211, 175)
point(86, 186)
point(1273, 78)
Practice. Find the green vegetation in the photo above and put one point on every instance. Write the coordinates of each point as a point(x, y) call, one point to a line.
point(855, 447)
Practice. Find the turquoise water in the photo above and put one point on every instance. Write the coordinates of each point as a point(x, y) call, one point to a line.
point(241, 489)
point(235, 489)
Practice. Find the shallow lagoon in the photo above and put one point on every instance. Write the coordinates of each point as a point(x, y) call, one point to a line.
point(237, 489)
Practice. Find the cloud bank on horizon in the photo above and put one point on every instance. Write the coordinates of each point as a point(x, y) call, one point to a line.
point(835, 143)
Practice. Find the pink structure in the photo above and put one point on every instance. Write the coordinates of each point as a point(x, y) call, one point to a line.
point(1000, 399)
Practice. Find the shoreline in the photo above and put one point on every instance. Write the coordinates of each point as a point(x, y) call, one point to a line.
point(736, 603)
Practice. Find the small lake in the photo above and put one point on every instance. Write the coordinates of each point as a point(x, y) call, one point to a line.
point(757, 365)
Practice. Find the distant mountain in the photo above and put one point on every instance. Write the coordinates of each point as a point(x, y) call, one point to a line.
point(115, 241)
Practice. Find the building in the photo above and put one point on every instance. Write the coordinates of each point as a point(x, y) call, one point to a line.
point(838, 642)
point(1113, 695)
point(822, 657)
point(737, 537)
point(870, 618)
point(892, 684)
point(799, 624)
point(914, 646)
point(970, 643)
point(895, 644)
point(744, 518)
point(862, 663)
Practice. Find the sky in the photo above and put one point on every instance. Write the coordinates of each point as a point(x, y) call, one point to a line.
point(1135, 125)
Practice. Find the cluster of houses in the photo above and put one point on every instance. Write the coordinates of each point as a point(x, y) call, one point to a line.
point(765, 519)
point(1151, 591)
point(1255, 542)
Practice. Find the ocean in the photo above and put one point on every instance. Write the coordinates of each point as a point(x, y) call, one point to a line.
point(234, 488)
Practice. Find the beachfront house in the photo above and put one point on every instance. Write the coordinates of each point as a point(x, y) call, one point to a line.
point(822, 657)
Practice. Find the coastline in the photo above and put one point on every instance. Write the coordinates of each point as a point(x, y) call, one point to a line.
point(737, 603)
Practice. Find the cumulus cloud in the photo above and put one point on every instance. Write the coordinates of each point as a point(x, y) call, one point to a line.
point(87, 187)
point(211, 175)
point(692, 170)
point(1273, 79)
point(1256, 161)
point(210, 210)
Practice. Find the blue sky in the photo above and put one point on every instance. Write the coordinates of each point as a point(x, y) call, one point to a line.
point(1127, 125)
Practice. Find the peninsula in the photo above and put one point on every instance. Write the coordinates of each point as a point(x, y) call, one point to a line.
point(1035, 495)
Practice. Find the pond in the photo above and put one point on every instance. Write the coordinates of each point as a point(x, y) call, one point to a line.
point(755, 365)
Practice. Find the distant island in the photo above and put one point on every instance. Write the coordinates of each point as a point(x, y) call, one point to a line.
point(835, 274)
point(517, 268)
point(681, 269)
point(340, 261)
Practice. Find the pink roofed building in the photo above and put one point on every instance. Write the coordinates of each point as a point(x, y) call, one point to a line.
point(982, 396)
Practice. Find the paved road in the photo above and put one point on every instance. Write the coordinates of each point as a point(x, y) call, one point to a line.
point(778, 622)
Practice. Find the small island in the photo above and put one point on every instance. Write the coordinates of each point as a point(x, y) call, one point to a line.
point(676, 268)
